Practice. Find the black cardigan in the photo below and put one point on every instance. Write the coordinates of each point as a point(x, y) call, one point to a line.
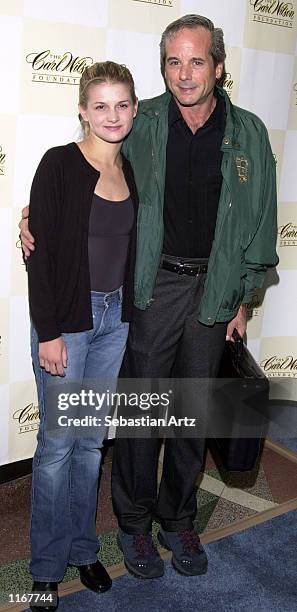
point(58, 269)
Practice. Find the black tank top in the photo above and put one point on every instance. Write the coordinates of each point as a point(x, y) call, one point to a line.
point(110, 226)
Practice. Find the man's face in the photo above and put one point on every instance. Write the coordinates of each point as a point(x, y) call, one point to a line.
point(189, 68)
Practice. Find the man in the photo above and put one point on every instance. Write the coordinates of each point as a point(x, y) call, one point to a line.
point(206, 236)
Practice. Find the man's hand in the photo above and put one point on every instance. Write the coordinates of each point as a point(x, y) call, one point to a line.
point(26, 238)
point(239, 322)
point(53, 356)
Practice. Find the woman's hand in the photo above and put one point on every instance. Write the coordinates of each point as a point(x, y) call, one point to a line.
point(53, 356)
point(26, 238)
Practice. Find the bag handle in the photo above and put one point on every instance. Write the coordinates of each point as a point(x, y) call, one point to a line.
point(238, 344)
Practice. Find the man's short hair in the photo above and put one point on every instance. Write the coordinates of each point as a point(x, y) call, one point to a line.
point(217, 49)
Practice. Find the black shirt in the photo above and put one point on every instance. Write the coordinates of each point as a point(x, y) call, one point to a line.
point(193, 183)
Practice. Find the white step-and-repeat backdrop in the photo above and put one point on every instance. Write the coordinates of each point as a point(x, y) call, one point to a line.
point(44, 46)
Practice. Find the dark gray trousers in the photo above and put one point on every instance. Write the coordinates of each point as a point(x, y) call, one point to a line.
point(165, 340)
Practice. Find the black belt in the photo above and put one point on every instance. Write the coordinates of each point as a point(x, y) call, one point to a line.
point(184, 268)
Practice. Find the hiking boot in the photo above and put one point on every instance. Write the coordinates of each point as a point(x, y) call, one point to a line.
point(188, 555)
point(141, 557)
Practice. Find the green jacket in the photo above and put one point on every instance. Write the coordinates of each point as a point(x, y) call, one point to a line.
point(245, 235)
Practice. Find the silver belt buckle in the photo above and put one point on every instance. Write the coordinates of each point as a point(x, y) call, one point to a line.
point(181, 267)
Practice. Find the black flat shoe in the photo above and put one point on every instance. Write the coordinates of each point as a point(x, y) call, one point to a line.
point(48, 597)
point(95, 577)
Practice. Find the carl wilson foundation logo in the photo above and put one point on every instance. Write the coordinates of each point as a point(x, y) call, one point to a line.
point(2, 161)
point(287, 235)
point(273, 12)
point(27, 418)
point(228, 83)
point(279, 366)
point(60, 68)
point(169, 3)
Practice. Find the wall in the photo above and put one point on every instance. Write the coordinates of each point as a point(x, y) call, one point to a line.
point(44, 46)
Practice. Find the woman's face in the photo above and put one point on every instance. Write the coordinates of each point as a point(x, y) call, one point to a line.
point(110, 111)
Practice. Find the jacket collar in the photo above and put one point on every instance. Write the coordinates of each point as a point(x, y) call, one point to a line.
point(158, 106)
point(231, 139)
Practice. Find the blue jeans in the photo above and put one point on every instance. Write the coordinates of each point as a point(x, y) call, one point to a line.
point(66, 468)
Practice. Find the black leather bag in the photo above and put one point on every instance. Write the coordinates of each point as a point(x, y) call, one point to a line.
point(241, 402)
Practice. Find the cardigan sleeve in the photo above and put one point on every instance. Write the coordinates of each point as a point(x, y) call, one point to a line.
point(45, 204)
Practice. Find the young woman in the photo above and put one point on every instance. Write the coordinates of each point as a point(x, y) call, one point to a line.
point(82, 214)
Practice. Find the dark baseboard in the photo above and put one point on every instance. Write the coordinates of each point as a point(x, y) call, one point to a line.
point(12, 471)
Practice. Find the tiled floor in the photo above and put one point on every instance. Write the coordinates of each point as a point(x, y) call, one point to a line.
point(220, 502)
